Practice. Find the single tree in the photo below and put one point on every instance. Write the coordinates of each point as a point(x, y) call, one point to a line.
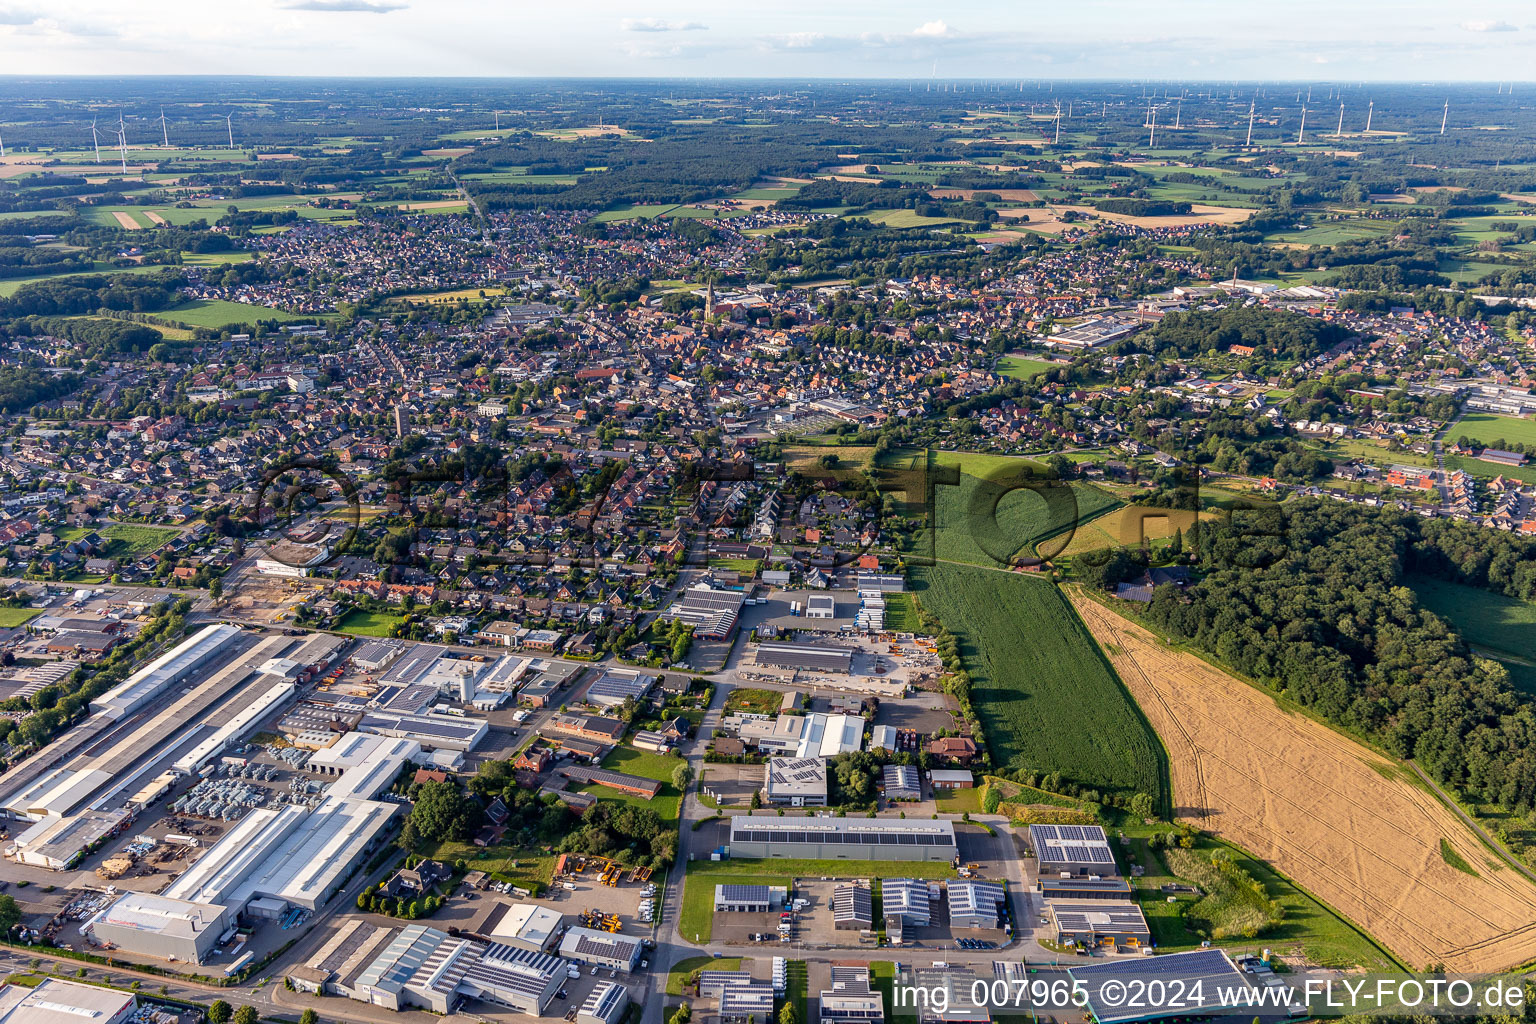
point(219, 1012)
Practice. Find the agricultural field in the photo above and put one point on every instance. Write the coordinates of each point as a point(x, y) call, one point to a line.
point(1128, 525)
point(1496, 626)
point(216, 313)
point(1308, 932)
point(991, 519)
point(1350, 827)
point(1488, 428)
point(1048, 702)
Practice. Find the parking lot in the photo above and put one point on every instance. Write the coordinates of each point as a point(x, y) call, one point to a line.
point(733, 784)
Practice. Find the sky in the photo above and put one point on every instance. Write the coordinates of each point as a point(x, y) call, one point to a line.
point(1180, 40)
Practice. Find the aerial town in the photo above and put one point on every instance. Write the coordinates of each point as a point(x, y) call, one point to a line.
point(917, 551)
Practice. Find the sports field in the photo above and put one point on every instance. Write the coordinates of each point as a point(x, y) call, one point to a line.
point(1354, 829)
point(1048, 702)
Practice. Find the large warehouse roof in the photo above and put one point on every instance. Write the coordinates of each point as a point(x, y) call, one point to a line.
point(149, 681)
point(62, 1002)
point(858, 831)
point(1071, 844)
point(1211, 968)
point(817, 657)
point(146, 912)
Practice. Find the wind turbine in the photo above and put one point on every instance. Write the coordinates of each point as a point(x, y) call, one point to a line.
point(122, 147)
point(1249, 140)
point(498, 120)
point(1151, 139)
point(1302, 134)
point(1370, 112)
point(1445, 116)
point(1058, 123)
point(95, 142)
point(2, 145)
point(1178, 115)
point(229, 126)
point(165, 135)
point(1338, 132)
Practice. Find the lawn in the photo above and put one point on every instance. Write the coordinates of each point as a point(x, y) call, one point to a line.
point(745, 566)
point(1024, 367)
point(1047, 699)
point(647, 765)
point(1503, 627)
point(216, 313)
point(17, 616)
point(907, 219)
point(633, 212)
point(1309, 928)
point(680, 970)
point(364, 623)
point(959, 801)
point(507, 863)
point(132, 540)
point(1490, 429)
point(696, 920)
point(762, 702)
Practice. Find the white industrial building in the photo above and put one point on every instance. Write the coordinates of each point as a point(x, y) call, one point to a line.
point(172, 667)
point(433, 732)
point(55, 1001)
point(604, 949)
point(523, 925)
point(795, 782)
point(813, 735)
point(160, 926)
point(605, 1004)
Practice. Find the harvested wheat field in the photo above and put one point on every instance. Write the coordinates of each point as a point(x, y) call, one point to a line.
point(126, 220)
point(155, 219)
point(1007, 195)
point(1355, 830)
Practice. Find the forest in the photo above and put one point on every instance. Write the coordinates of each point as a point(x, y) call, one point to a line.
point(1315, 605)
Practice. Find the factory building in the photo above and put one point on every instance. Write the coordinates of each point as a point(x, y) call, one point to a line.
point(974, 904)
point(748, 899)
point(520, 925)
point(55, 1001)
point(171, 668)
point(1072, 849)
point(605, 1004)
point(842, 838)
point(795, 782)
point(814, 735)
point(901, 782)
point(852, 908)
point(159, 926)
point(850, 999)
point(433, 732)
point(905, 903)
point(424, 967)
point(711, 613)
point(616, 686)
point(1098, 922)
point(603, 949)
point(810, 657)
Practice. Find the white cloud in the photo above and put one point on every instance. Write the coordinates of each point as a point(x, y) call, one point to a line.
point(1488, 26)
point(933, 30)
point(659, 25)
point(16, 16)
point(346, 6)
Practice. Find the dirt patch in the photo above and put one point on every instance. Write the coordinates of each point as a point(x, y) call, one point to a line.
point(1350, 827)
point(277, 156)
point(156, 219)
point(447, 153)
point(125, 220)
point(433, 204)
